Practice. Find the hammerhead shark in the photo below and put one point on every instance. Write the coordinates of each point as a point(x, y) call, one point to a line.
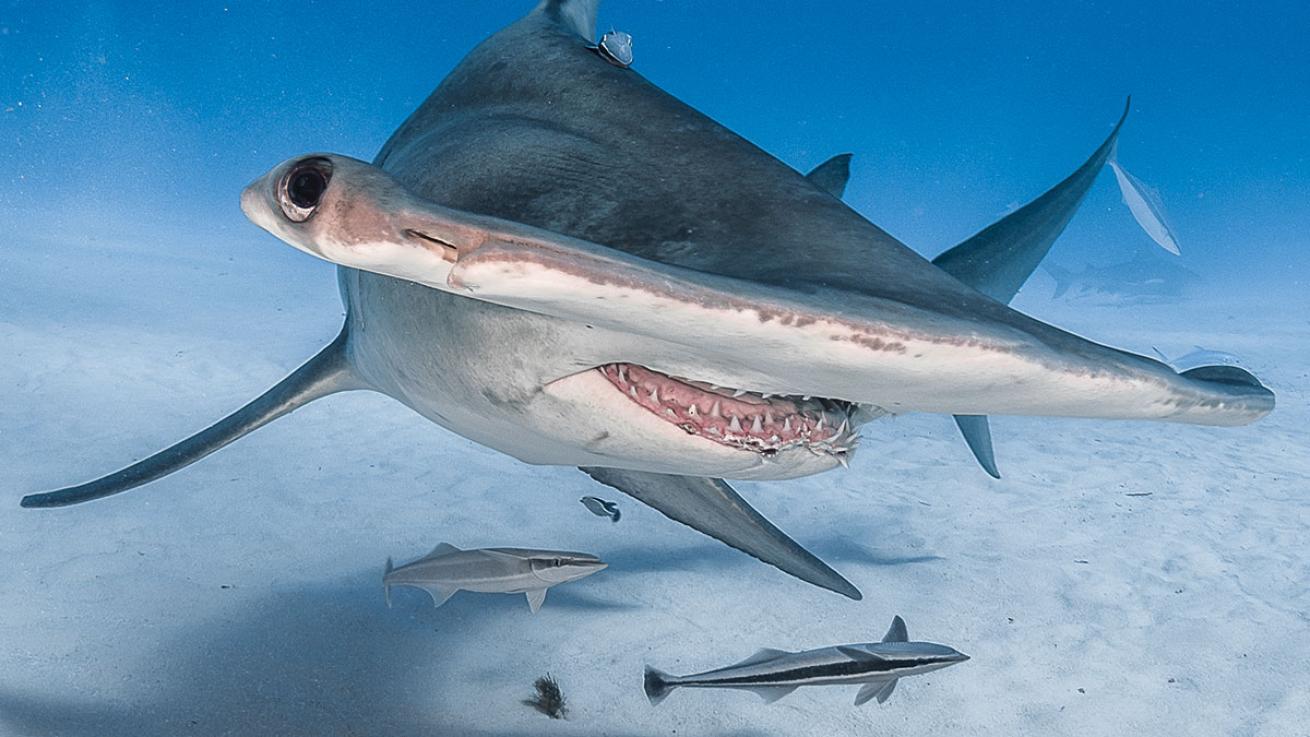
point(557, 259)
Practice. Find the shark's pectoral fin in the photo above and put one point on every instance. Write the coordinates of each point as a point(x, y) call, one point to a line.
point(326, 373)
point(978, 436)
point(771, 694)
point(880, 690)
point(832, 175)
point(712, 507)
point(536, 598)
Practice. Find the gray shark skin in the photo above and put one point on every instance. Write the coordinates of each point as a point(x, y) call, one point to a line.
point(772, 674)
point(1145, 278)
point(447, 569)
point(565, 196)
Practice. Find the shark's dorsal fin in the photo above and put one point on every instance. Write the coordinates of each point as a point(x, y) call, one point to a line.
point(536, 598)
point(764, 654)
point(832, 175)
point(578, 16)
point(881, 690)
point(897, 632)
point(443, 549)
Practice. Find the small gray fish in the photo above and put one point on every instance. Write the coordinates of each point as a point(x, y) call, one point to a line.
point(448, 569)
point(601, 508)
point(775, 673)
point(616, 48)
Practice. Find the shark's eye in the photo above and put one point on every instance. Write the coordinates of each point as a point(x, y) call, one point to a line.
point(557, 562)
point(302, 188)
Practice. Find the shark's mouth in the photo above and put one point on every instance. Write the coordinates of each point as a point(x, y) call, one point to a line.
point(762, 423)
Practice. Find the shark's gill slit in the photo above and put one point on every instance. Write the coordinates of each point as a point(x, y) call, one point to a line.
point(737, 418)
point(449, 251)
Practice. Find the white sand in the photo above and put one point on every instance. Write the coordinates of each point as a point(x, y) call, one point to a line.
point(242, 596)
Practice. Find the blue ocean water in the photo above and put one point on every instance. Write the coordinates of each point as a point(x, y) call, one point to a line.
point(139, 303)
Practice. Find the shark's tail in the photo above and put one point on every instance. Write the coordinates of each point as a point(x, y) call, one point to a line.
point(1063, 279)
point(386, 583)
point(326, 373)
point(657, 685)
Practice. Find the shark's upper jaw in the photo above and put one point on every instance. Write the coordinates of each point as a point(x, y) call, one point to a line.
point(765, 424)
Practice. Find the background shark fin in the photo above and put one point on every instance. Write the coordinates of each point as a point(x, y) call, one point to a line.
point(897, 632)
point(978, 435)
point(326, 373)
point(712, 507)
point(536, 598)
point(880, 690)
point(771, 694)
point(760, 656)
point(1145, 205)
point(443, 549)
point(831, 176)
point(578, 16)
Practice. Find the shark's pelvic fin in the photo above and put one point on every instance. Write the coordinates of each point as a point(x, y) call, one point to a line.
point(536, 598)
point(578, 16)
point(897, 632)
point(326, 373)
point(771, 694)
point(440, 594)
point(831, 176)
point(1000, 258)
point(880, 690)
point(712, 507)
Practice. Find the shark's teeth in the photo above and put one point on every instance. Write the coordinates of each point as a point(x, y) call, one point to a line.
point(765, 423)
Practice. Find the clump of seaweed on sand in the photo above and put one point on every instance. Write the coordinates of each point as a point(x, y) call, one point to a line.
point(548, 699)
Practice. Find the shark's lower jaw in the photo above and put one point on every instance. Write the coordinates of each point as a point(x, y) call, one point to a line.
point(736, 418)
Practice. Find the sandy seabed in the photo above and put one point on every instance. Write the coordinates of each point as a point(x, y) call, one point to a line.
point(1123, 577)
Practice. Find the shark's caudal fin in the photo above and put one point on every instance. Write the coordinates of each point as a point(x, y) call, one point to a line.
point(1064, 279)
point(832, 175)
point(657, 686)
point(386, 585)
point(712, 507)
point(326, 373)
point(1000, 258)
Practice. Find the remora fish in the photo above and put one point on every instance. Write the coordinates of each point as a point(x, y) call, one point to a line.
point(775, 673)
point(447, 569)
point(601, 508)
point(620, 283)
